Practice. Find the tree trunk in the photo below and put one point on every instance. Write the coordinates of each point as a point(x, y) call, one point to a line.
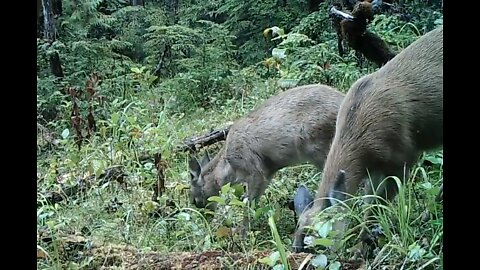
point(57, 8)
point(39, 7)
point(172, 7)
point(313, 5)
point(138, 3)
point(49, 35)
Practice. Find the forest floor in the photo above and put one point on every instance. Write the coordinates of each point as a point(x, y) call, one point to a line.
point(107, 256)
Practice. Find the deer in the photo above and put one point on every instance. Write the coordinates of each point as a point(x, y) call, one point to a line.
point(293, 127)
point(387, 119)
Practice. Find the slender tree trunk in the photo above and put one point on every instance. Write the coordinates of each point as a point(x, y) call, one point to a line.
point(57, 8)
point(138, 3)
point(39, 19)
point(49, 35)
point(39, 7)
point(172, 7)
point(313, 5)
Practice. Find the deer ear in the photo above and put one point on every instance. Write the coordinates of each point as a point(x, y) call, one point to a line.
point(205, 160)
point(302, 200)
point(195, 168)
point(339, 188)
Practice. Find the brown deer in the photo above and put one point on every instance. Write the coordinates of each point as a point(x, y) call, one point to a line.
point(385, 121)
point(293, 127)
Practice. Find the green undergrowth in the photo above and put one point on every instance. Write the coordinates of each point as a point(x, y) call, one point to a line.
point(99, 191)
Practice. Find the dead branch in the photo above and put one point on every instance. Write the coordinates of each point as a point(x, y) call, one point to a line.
point(114, 173)
point(159, 188)
point(335, 13)
point(195, 143)
point(353, 29)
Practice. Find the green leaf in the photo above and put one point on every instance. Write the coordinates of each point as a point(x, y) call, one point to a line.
point(334, 266)
point(103, 131)
point(279, 53)
point(105, 185)
point(267, 261)
point(278, 267)
point(416, 252)
point(320, 261)
point(426, 185)
point(115, 117)
point(150, 206)
point(323, 228)
point(260, 211)
point(228, 221)
point(236, 202)
point(98, 166)
point(207, 242)
point(323, 242)
point(435, 160)
point(132, 119)
point(148, 165)
point(275, 256)
point(184, 216)
point(180, 186)
point(135, 70)
point(288, 83)
point(239, 190)
point(217, 199)
point(65, 133)
point(225, 188)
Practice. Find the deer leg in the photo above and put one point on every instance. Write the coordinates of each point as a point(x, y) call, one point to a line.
point(256, 186)
point(386, 189)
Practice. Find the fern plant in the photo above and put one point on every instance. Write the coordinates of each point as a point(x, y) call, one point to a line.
point(194, 65)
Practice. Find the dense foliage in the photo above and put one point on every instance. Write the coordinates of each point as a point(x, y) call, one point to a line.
point(139, 79)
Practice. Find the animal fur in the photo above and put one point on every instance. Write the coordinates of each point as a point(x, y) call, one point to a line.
point(386, 120)
point(293, 127)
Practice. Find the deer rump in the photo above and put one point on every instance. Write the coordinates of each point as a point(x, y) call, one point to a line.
point(385, 121)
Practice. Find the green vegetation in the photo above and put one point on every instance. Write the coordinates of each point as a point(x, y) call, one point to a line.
point(151, 76)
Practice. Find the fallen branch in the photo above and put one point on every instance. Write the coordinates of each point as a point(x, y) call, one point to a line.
point(195, 143)
point(340, 14)
point(114, 173)
point(353, 29)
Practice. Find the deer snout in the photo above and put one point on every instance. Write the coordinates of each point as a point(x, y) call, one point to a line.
point(199, 203)
point(298, 245)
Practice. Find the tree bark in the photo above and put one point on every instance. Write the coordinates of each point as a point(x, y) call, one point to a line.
point(195, 143)
point(49, 35)
point(39, 7)
point(57, 8)
point(172, 7)
point(313, 5)
point(138, 3)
